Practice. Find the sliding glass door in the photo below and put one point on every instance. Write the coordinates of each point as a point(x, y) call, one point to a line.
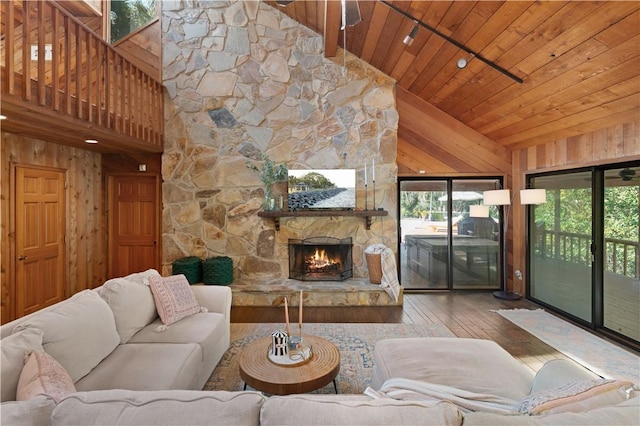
point(584, 247)
point(621, 279)
point(561, 266)
point(443, 244)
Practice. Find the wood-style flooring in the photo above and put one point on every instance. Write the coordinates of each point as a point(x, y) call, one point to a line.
point(465, 314)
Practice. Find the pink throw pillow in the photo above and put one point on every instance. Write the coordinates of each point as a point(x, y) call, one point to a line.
point(174, 298)
point(43, 375)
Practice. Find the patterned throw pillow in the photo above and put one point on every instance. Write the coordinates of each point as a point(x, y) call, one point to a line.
point(14, 348)
point(174, 298)
point(577, 397)
point(43, 375)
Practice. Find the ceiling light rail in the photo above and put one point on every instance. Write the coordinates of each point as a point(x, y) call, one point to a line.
point(452, 41)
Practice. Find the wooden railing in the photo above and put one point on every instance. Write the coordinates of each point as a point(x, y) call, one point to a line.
point(51, 60)
point(621, 256)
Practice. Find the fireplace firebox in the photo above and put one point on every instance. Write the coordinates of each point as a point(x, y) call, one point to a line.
point(320, 259)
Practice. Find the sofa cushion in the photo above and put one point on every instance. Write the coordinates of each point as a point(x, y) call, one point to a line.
point(120, 407)
point(79, 332)
point(558, 372)
point(174, 298)
point(336, 410)
point(34, 412)
point(141, 366)
point(577, 397)
point(142, 277)
point(43, 375)
point(132, 305)
point(14, 348)
point(474, 365)
point(206, 329)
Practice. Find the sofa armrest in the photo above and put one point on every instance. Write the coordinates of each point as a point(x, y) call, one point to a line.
point(214, 298)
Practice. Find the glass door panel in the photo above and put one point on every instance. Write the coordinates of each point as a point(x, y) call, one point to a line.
point(476, 233)
point(560, 244)
point(621, 283)
point(423, 220)
point(444, 245)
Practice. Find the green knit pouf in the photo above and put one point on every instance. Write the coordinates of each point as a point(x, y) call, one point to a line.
point(190, 266)
point(217, 270)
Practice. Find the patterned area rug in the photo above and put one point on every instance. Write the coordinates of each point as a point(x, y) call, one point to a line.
point(355, 342)
point(603, 358)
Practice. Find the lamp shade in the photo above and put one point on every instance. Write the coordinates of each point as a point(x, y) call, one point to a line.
point(497, 197)
point(533, 196)
point(478, 210)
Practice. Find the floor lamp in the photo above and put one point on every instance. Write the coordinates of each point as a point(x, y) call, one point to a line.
point(502, 197)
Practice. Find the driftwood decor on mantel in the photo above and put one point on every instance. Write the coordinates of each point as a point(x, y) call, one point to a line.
point(367, 214)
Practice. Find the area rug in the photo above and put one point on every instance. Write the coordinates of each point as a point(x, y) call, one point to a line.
point(603, 358)
point(355, 342)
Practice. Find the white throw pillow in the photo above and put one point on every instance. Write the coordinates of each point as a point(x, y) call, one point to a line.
point(174, 298)
point(14, 348)
point(43, 375)
point(132, 304)
point(79, 332)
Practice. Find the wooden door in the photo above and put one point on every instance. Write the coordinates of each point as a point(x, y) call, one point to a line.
point(133, 224)
point(40, 238)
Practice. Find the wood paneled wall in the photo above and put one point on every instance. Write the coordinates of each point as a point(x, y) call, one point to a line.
point(433, 141)
point(86, 243)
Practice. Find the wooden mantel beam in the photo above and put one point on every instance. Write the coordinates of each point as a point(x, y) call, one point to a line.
point(332, 22)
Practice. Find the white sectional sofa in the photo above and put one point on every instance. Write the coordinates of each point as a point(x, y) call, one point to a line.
point(112, 338)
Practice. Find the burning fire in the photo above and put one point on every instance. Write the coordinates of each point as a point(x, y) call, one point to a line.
point(319, 260)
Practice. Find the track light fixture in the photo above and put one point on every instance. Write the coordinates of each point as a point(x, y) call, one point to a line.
point(408, 40)
point(452, 41)
point(462, 62)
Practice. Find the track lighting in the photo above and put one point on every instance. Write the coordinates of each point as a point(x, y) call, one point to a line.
point(408, 40)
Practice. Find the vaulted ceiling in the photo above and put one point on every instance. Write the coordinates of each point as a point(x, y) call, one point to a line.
point(579, 61)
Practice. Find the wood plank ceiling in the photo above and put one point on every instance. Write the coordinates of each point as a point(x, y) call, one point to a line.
point(579, 61)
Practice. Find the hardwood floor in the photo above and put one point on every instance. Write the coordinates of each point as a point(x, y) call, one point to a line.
point(465, 314)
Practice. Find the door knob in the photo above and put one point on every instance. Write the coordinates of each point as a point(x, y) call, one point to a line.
point(22, 257)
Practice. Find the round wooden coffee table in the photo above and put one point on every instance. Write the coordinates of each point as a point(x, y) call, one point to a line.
point(259, 372)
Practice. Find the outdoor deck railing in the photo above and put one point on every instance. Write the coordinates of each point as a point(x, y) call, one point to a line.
point(50, 59)
point(621, 256)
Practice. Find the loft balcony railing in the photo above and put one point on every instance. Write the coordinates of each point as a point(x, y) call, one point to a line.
point(622, 257)
point(51, 60)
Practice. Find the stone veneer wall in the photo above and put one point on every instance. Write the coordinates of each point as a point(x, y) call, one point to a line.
point(243, 79)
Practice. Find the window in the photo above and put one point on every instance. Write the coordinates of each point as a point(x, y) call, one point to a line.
point(126, 16)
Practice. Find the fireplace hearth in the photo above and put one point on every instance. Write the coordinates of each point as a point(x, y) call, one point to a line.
point(320, 259)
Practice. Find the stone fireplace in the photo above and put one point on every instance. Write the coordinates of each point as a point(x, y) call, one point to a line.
point(242, 80)
point(320, 259)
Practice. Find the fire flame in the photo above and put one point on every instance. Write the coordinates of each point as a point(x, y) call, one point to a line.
point(320, 260)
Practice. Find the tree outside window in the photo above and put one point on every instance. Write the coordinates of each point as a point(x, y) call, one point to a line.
point(127, 16)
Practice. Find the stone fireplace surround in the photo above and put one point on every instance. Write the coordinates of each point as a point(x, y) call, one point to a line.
point(241, 80)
